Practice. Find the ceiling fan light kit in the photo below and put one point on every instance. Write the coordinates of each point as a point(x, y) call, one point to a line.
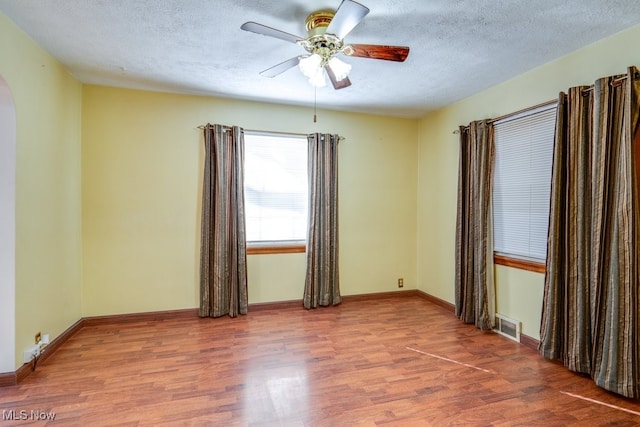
point(326, 30)
point(313, 66)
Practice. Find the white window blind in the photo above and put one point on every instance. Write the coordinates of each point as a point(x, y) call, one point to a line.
point(275, 187)
point(522, 183)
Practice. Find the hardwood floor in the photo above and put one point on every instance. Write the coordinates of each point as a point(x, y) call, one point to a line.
point(393, 361)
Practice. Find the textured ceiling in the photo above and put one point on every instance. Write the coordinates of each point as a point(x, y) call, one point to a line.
point(458, 47)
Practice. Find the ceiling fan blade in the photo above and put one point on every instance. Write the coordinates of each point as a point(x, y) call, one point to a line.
point(337, 84)
point(348, 15)
point(254, 27)
point(281, 67)
point(375, 51)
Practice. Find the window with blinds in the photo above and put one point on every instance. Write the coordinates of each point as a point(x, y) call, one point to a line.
point(522, 183)
point(275, 187)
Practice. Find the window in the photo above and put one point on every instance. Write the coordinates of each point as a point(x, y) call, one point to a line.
point(276, 192)
point(522, 185)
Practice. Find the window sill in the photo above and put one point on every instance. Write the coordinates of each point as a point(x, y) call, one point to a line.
point(507, 261)
point(275, 248)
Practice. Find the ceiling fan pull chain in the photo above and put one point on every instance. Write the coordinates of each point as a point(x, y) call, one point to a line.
point(315, 101)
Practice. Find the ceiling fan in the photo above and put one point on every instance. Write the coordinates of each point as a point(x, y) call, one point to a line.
point(326, 30)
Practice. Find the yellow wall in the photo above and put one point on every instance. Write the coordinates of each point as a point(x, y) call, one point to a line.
point(48, 217)
point(142, 161)
point(519, 292)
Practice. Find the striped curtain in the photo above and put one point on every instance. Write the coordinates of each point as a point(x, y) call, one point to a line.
point(474, 283)
point(569, 236)
point(591, 310)
point(322, 284)
point(223, 254)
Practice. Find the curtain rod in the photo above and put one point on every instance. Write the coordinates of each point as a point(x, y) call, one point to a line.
point(264, 132)
point(615, 82)
point(524, 110)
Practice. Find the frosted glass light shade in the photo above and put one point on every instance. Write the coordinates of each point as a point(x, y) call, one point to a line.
point(318, 80)
point(309, 64)
point(340, 68)
point(312, 66)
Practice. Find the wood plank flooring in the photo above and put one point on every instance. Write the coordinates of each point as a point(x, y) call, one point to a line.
point(392, 361)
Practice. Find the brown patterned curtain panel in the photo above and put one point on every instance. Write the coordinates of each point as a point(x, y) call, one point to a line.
point(591, 309)
point(474, 285)
point(322, 285)
point(223, 253)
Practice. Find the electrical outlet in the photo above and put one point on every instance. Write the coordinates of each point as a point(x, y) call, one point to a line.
point(38, 337)
point(400, 282)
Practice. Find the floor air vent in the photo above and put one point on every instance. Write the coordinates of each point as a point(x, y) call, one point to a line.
point(508, 327)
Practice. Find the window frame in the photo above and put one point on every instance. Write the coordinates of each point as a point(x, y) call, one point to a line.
point(508, 261)
point(276, 247)
point(269, 247)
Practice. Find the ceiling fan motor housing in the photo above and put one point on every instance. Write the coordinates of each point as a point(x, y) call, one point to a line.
point(317, 22)
point(319, 42)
